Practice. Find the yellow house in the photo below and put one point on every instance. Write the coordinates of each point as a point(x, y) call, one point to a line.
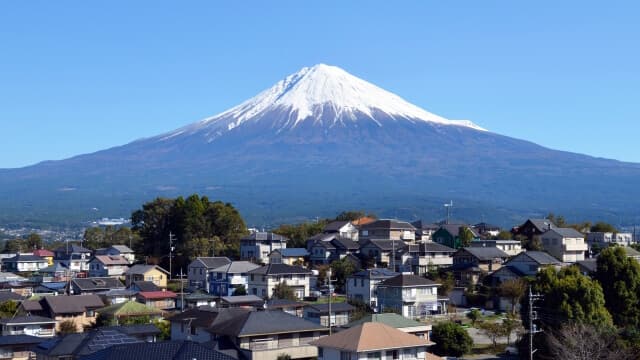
point(152, 273)
point(45, 254)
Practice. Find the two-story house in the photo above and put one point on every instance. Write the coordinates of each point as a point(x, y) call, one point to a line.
point(198, 271)
point(424, 230)
point(74, 257)
point(289, 256)
point(343, 229)
point(449, 235)
point(533, 227)
point(604, 239)
point(152, 273)
point(257, 246)
point(382, 252)
point(118, 250)
point(224, 280)
point(263, 280)
point(363, 285)
point(24, 263)
point(471, 264)
point(326, 248)
point(29, 325)
point(421, 257)
point(373, 340)
point(80, 309)
point(410, 295)
point(565, 244)
point(527, 263)
point(339, 313)
point(45, 254)
point(388, 229)
point(80, 286)
point(264, 335)
point(511, 247)
point(193, 324)
point(108, 265)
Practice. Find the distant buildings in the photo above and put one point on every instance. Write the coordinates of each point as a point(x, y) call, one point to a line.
point(257, 246)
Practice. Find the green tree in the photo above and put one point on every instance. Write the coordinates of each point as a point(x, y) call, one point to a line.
point(165, 328)
point(8, 309)
point(341, 270)
point(492, 330)
point(283, 291)
point(33, 241)
point(12, 246)
point(67, 327)
point(474, 315)
point(299, 233)
point(283, 356)
point(451, 339)
point(513, 290)
point(570, 296)
point(465, 235)
point(603, 227)
point(504, 235)
point(619, 277)
point(511, 324)
point(240, 290)
point(354, 215)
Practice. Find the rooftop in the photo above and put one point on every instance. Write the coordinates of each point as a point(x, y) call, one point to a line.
point(370, 337)
point(406, 280)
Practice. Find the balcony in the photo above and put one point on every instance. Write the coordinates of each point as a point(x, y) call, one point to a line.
point(575, 247)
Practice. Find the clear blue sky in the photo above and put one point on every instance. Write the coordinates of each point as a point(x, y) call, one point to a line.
point(77, 77)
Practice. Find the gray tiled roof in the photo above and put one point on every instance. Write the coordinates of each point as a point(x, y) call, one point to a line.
point(378, 273)
point(24, 258)
point(541, 257)
point(97, 283)
point(454, 229)
point(27, 320)
point(276, 269)
point(7, 340)
point(85, 343)
point(335, 307)
point(388, 224)
point(386, 245)
point(262, 323)
point(405, 280)
point(568, 232)
point(236, 267)
point(334, 226)
point(168, 350)
point(430, 247)
point(72, 304)
point(486, 253)
point(146, 286)
point(214, 262)
point(542, 225)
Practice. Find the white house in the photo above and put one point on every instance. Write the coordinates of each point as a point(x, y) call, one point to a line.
point(419, 258)
point(410, 295)
point(511, 247)
point(198, 271)
point(108, 265)
point(263, 280)
point(257, 246)
point(565, 244)
point(118, 250)
point(22, 262)
point(604, 239)
point(343, 229)
point(363, 285)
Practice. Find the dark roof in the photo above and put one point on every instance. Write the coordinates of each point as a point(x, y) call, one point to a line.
point(123, 249)
point(168, 350)
point(214, 262)
point(73, 248)
point(454, 229)
point(283, 303)
point(425, 226)
point(264, 322)
point(243, 299)
point(24, 258)
point(483, 226)
point(275, 269)
point(334, 226)
point(27, 320)
point(404, 280)
point(136, 329)
point(202, 317)
point(541, 257)
point(335, 307)
point(97, 283)
point(236, 267)
point(542, 225)
point(567, 232)
point(388, 224)
point(8, 340)
point(31, 305)
point(292, 252)
point(325, 244)
point(377, 273)
point(85, 343)
point(430, 246)
point(65, 304)
point(590, 265)
point(485, 253)
point(146, 286)
point(345, 243)
point(386, 245)
point(10, 295)
point(265, 236)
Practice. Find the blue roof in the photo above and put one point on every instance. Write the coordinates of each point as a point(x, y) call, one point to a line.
point(293, 252)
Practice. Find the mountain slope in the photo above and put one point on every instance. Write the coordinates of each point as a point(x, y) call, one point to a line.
point(321, 141)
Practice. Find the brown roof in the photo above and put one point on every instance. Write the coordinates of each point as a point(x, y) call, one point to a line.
point(370, 336)
point(112, 259)
point(363, 221)
point(72, 304)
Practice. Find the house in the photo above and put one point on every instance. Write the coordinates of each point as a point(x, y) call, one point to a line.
point(8, 295)
point(410, 295)
point(604, 239)
point(511, 247)
point(363, 285)
point(488, 230)
point(242, 301)
point(118, 250)
point(144, 332)
point(152, 273)
point(162, 300)
point(198, 271)
point(399, 322)
point(291, 307)
point(74, 257)
point(81, 309)
point(138, 286)
point(128, 311)
point(372, 340)
point(166, 350)
point(449, 235)
point(486, 258)
point(565, 244)
point(29, 325)
point(24, 263)
point(422, 257)
point(80, 286)
point(56, 272)
point(52, 288)
point(326, 248)
point(339, 313)
point(108, 265)
point(527, 263)
point(193, 324)
point(224, 280)
point(194, 300)
point(264, 335)
point(263, 280)
point(533, 227)
point(343, 229)
point(18, 347)
point(388, 229)
point(380, 252)
point(45, 254)
point(424, 231)
point(117, 296)
point(289, 256)
point(257, 246)
point(80, 345)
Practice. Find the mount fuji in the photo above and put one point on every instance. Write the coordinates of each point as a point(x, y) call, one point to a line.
point(321, 141)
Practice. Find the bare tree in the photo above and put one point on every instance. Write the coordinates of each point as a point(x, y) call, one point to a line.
point(578, 341)
point(514, 290)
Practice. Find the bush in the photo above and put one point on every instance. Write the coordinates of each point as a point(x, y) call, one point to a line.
point(451, 339)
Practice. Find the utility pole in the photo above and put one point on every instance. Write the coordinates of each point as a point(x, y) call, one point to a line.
point(449, 206)
point(533, 315)
point(172, 238)
point(329, 280)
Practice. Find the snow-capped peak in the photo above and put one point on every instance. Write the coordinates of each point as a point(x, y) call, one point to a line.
point(307, 94)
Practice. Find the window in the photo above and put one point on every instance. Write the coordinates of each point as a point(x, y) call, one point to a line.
point(90, 313)
point(193, 330)
point(371, 355)
point(320, 352)
point(345, 355)
point(251, 277)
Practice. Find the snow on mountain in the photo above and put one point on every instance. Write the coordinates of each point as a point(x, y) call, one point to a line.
point(322, 94)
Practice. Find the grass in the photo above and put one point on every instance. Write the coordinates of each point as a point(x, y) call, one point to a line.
point(324, 300)
point(488, 349)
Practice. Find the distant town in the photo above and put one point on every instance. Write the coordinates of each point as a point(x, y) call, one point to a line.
point(187, 275)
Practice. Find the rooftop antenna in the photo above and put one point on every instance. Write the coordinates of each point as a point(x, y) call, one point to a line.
point(449, 206)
